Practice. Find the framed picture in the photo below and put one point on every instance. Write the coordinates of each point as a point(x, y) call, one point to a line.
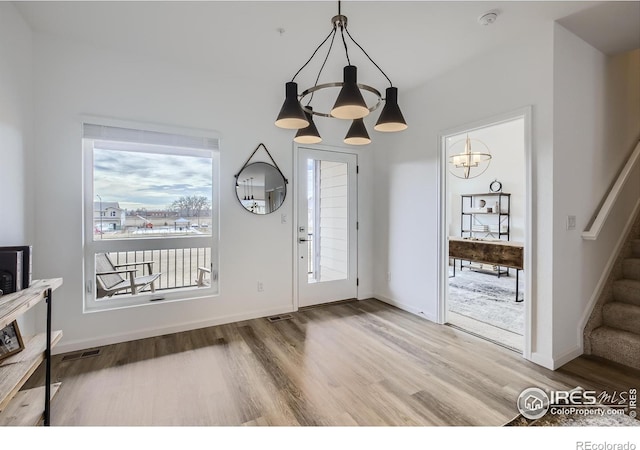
point(10, 340)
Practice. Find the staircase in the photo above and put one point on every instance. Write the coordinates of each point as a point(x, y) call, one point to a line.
point(615, 324)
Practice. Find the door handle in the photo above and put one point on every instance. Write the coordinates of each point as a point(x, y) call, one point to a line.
point(300, 240)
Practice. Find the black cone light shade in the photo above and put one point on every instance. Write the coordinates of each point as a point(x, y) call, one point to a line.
point(391, 118)
point(350, 104)
point(291, 115)
point(308, 135)
point(355, 100)
point(357, 134)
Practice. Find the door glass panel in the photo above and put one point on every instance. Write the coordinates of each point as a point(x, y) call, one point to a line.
point(328, 220)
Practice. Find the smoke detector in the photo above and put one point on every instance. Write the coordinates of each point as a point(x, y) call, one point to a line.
point(488, 18)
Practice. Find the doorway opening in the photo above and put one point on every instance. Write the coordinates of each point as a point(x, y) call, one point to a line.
point(486, 230)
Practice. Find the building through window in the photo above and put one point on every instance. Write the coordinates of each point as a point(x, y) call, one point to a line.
point(151, 214)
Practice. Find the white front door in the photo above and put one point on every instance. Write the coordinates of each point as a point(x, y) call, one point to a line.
point(327, 226)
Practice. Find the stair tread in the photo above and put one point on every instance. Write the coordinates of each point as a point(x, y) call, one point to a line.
point(622, 305)
point(627, 291)
point(616, 345)
point(631, 268)
point(634, 337)
point(629, 282)
point(622, 316)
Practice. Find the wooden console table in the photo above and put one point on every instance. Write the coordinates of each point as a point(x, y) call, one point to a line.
point(494, 252)
point(26, 407)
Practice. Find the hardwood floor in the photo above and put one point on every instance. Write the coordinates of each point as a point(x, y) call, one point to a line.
point(505, 338)
point(356, 363)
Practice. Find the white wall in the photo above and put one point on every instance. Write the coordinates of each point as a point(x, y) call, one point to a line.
point(16, 109)
point(16, 126)
point(596, 125)
point(586, 119)
point(399, 212)
point(406, 169)
point(74, 79)
point(506, 144)
point(623, 102)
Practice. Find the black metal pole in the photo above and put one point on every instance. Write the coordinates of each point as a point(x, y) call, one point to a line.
point(47, 358)
point(518, 285)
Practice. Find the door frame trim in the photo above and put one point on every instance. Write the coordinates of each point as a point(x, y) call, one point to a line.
point(294, 218)
point(524, 113)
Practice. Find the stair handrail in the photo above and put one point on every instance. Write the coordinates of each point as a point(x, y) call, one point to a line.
point(592, 233)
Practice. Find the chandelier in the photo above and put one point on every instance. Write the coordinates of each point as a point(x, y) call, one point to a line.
point(462, 163)
point(350, 103)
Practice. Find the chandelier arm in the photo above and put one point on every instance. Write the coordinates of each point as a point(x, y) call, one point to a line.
point(314, 54)
point(367, 55)
point(346, 50)
point(338, 84)
point(323, 64)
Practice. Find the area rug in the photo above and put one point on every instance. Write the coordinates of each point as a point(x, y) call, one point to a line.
point(487, 298)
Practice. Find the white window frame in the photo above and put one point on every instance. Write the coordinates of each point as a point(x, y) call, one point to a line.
point(93, 246)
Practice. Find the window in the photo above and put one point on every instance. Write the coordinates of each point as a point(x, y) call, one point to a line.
point(151, 214)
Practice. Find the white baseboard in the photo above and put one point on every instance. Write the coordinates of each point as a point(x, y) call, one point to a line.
point(405, 307)
point(554, 363)
point(566, 357)
point(83, 344)
point(542, 360)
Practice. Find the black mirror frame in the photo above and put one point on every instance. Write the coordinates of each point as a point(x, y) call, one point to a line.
point(275, 165)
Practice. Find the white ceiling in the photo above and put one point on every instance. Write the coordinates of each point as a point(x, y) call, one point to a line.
point(612, 28)
point(412, 41)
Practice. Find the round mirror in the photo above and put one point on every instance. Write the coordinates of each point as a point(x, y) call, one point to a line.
point(261, 188)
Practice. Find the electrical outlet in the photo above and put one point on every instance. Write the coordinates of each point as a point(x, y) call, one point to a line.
point(260, 286)
point(283, 218)
point(571, 222)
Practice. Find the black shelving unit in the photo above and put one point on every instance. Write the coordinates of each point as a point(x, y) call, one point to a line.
point(486, 216)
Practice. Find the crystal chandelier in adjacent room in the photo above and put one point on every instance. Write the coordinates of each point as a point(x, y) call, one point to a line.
point(462, 163)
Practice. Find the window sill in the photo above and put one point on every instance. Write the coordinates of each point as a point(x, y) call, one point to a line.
point(148, 299)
